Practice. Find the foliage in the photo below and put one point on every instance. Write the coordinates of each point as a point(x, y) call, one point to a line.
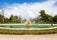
point(42, 18)
point(1, 18)
point(32, 32)
point(55, 19)
point(45, 18)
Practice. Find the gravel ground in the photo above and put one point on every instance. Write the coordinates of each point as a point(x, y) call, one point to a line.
point(28, 37)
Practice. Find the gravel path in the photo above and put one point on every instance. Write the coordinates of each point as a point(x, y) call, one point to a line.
point(28, 37)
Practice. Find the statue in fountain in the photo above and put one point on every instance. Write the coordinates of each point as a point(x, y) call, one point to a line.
point(28, 24)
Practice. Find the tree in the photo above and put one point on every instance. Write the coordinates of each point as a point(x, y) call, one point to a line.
point(2, 14)
point(6, 20)
point(24, 20)
point(55, 19)
point(11, 18)
point(45, 17)
point(15, 19)
point(1, 18)
point(42, 15)
point(19, 19)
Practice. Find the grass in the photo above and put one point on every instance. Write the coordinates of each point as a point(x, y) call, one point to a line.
point(33, 32)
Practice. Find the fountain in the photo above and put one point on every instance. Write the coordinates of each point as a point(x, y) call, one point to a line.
point(28, 24)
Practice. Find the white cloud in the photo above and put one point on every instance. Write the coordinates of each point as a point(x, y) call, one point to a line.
point(30, 10)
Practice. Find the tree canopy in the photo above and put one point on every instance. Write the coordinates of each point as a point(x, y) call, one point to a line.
point(43, 17)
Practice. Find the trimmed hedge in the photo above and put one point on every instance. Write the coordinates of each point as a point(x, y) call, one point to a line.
point(33, 32)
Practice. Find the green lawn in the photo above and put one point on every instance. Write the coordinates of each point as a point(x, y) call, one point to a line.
point(34, 32)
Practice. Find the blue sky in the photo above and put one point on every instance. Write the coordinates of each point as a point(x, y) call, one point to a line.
point(2, 2)
point(20, 1)
point(28, 8)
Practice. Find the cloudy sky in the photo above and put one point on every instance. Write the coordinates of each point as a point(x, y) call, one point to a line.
point(28, 8)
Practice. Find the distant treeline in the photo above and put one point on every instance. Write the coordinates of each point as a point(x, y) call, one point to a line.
point(12, 19)
point(42, 18)
point(45, 18)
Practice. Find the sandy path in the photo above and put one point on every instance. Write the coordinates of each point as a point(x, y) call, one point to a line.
point(29, 37)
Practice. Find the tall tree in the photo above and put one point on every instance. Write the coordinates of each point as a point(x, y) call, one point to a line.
point(11, 18)
point(1, 18)
point(15, 19)
point(55, 19)
point(19, 19)
point(45, 17)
